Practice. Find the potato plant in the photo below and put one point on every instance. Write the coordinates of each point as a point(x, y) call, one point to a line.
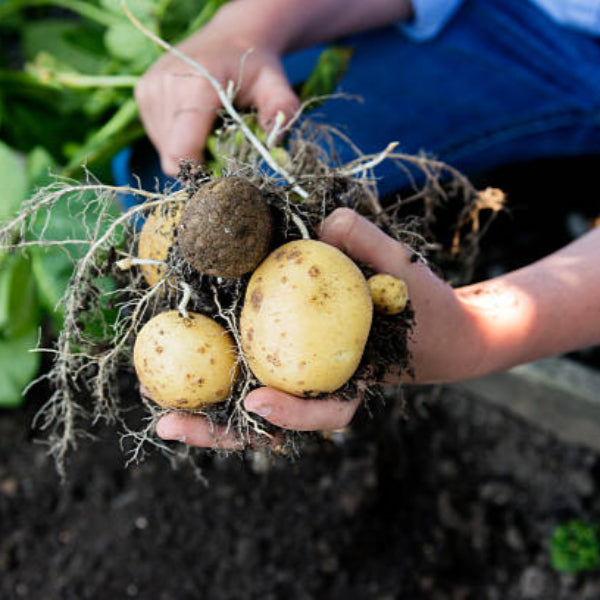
point(199, 317)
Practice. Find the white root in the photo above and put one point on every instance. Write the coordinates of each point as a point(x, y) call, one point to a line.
point(362, 167)
point(125, 264)
point(185, 300)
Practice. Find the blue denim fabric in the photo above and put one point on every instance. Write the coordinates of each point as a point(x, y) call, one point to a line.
point(502, 83)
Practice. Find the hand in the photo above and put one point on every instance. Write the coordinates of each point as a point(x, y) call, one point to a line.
point(178, 106)
point(436, 306)
point(546, 308)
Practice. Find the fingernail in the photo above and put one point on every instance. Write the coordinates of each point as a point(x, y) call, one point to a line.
point(262, 410)
point(333, 220)
point(169, 431)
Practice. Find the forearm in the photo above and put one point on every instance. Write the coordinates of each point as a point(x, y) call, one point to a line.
point(286, 25)
point(547, 308)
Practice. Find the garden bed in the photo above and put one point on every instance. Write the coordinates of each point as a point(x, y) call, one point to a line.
point(447, 496)
point(449, 499)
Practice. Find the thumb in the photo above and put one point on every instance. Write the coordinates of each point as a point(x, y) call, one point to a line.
point(365, 242)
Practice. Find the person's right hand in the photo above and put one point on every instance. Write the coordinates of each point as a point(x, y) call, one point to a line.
point(178, 106)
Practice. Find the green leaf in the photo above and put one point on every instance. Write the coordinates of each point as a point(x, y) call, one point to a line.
point(52, 270)
point(18, 299)
point(97, 323)
point(14, 182)
point(575, 547)
point(70, 42)
point(18, 366)
point(71, 219)
point(34, 123)
point(39, 168)
point(126, 42)
point(328, 72)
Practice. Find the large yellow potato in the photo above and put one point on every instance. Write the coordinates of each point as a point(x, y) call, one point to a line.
point(156, 237)
point(306, 318)
point(185, 363)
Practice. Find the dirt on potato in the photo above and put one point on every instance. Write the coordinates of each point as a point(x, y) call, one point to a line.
point(226, 228)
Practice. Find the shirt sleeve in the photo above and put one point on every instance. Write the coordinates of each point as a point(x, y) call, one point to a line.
point(429, 19)
point(578, 14)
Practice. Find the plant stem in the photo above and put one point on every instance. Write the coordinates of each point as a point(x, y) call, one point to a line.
point(80, 81)
point(94, 146)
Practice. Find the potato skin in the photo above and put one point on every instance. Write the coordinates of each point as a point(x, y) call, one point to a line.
point(389, 293)
point(185, 363)
point(306, 318)
point(156, 237)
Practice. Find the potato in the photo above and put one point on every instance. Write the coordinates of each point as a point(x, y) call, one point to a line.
point(306, 318)
point(389, 293)
point(226, 228)
point(185, 363)
point(156, 237)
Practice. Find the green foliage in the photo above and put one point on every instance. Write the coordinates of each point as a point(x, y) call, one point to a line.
point(331, 67)
point(18, 366)
point(575, 547)
point(14, 182)
point(32, 285)
point(19, 312)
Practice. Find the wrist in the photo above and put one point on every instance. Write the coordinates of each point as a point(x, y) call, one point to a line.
point(503, 318)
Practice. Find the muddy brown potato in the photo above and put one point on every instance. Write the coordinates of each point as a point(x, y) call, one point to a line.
point(226, 228)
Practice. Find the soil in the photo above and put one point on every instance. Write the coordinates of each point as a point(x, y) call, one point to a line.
point(432, 497)
point(448, 500)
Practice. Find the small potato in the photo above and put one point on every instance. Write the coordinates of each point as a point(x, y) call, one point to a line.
point(156, 237)
point(389, 293)
point(306, 318)
point(185, 363)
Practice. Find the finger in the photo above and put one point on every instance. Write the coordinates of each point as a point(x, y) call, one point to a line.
point(300, 414)
point(190, 118)
point(364, 241)
point(197, 431)
point(271, 94)
point(147, 91)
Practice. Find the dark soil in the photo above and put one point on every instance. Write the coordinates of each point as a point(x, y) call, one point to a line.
point(454, 500)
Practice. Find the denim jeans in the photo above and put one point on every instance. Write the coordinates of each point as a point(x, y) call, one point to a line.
point(501, 84)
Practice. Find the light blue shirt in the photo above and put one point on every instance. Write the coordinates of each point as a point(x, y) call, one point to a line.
point(431, 15)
